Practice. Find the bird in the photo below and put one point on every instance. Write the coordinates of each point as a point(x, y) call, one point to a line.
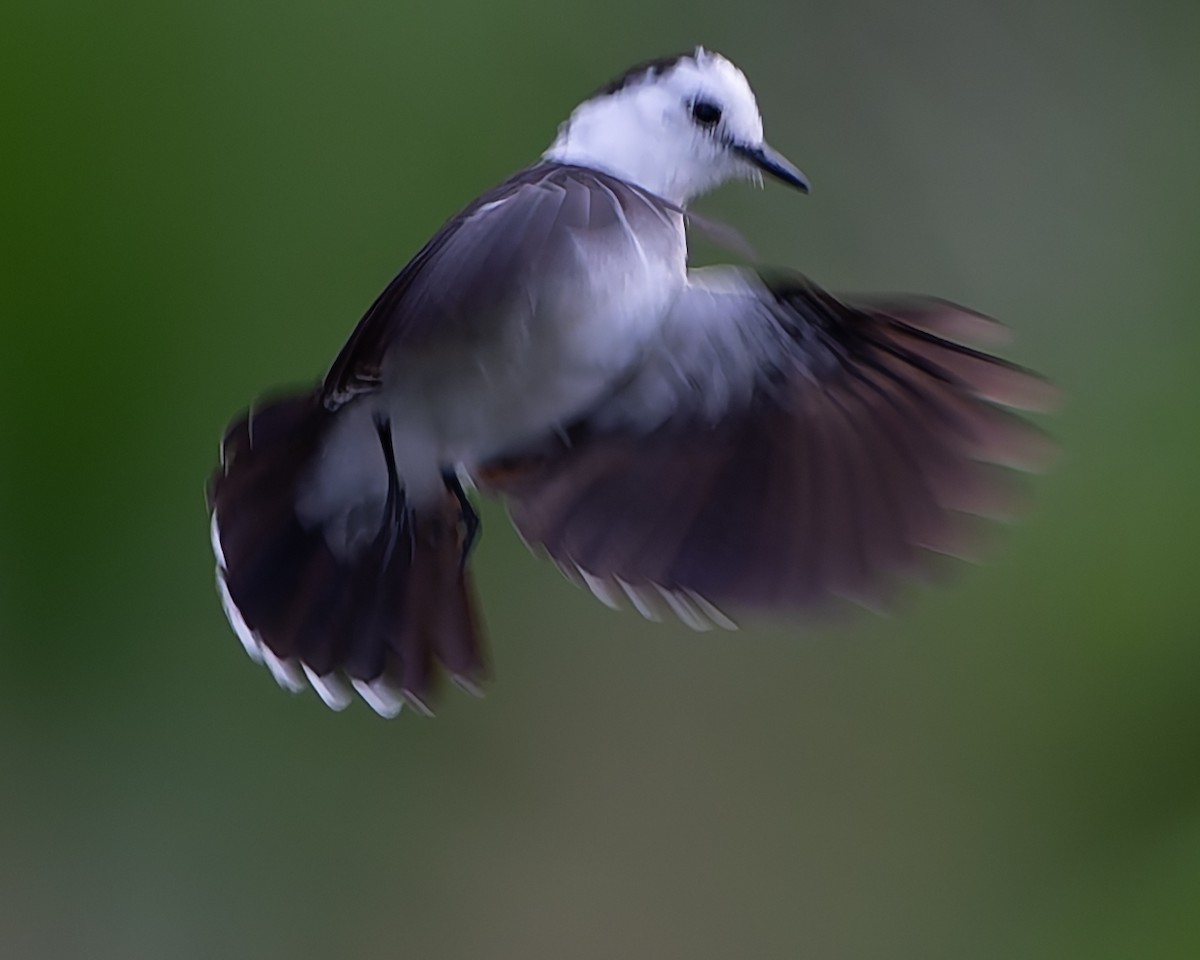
point(702, 443)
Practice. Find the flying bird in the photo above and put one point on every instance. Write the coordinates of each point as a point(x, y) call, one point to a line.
point(698, 442)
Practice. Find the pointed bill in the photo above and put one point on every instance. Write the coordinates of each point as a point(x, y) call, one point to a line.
point(771, 161)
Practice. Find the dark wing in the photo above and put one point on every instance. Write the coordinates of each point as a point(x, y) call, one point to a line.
point(479, 262)
point(780, 446)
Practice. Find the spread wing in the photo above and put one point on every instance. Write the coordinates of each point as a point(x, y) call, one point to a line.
point(481, 260)
point(779, 446)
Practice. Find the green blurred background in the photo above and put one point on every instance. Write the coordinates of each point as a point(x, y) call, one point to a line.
point(197, 201)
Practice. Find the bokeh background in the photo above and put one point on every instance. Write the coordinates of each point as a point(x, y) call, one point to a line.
point(196, 202)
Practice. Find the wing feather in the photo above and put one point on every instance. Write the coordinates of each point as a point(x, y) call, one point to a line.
point(779, 446)
point(476, 264)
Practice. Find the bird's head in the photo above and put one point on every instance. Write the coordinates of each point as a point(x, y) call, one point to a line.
point(677, 127)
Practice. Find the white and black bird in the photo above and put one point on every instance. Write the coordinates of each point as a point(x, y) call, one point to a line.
point(692, 441)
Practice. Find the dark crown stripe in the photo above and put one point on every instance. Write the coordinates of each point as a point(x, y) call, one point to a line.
point(640, 73)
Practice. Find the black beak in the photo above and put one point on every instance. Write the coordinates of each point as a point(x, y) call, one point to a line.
point(776, 164)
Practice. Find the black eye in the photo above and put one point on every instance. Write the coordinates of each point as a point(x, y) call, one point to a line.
point(706, 113)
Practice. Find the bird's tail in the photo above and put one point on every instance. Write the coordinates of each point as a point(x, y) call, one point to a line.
point(377, 612)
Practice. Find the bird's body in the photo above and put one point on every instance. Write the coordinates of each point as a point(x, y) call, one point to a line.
point(591, 266)
point(685, 439)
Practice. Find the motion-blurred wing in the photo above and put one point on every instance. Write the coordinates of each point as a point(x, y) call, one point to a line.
point(779, 446)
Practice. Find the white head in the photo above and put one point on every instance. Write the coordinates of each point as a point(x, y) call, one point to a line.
point(677, 127)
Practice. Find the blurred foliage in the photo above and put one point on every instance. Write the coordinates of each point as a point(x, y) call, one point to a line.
point(199, 199)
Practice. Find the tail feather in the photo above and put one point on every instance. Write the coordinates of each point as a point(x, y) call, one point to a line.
point(381, 617)
point(446, 613)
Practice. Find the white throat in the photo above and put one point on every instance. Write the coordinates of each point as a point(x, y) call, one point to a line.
point(643, 141)
point(614, 135)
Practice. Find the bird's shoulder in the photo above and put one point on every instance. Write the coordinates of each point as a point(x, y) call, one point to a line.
point(483, 253)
